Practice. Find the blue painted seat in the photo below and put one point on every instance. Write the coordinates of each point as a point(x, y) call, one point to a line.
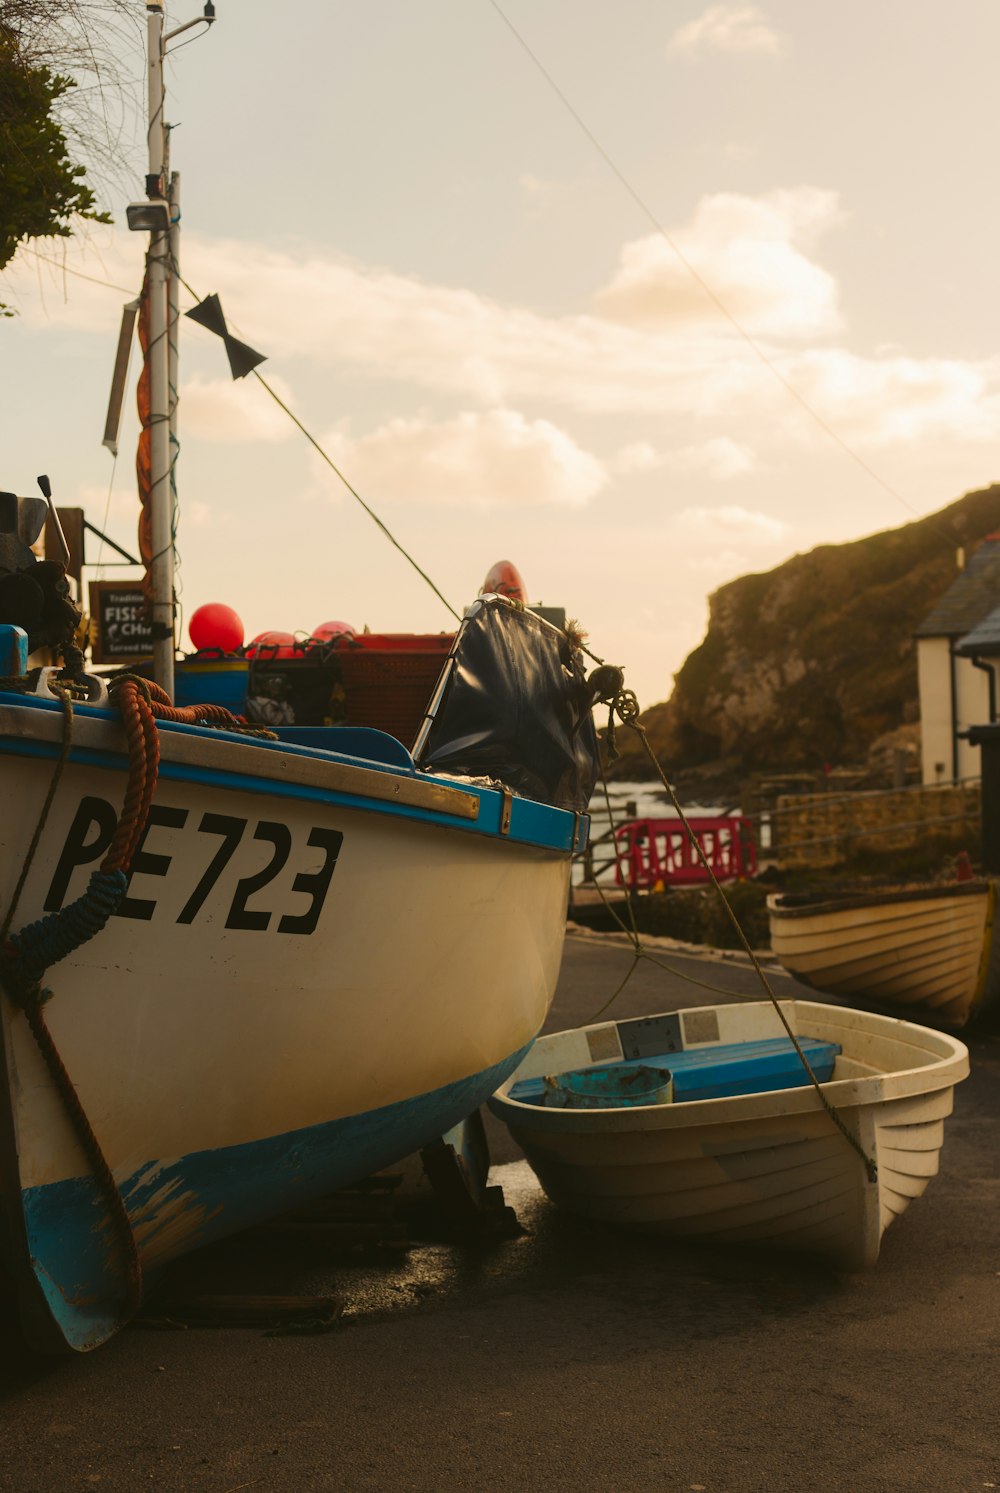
point(722, 1071)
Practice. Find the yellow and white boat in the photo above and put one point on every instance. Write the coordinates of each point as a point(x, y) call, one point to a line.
point(925, 949)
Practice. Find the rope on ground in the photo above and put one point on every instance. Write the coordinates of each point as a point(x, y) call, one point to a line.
point(623, 704)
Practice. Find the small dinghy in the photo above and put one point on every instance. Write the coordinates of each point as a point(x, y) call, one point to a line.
point(927, 950)
point(740, 1147)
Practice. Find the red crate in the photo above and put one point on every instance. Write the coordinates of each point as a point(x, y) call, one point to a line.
point(654, 853)
point(389, 689)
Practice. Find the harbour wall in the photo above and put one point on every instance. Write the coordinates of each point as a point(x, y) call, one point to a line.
point(821, 830)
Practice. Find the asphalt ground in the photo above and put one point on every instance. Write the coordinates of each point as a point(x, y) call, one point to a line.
point(573, 1357)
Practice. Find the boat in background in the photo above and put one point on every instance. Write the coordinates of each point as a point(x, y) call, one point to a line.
point(744, 1153)
point(926, 949)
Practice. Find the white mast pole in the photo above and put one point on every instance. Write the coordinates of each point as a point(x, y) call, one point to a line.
point(174, 324)
point(160, 497)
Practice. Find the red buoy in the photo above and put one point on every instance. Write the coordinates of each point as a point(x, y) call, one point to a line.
point(271, 644)
point(328, 630)
point(505, 580)
point(216, 626)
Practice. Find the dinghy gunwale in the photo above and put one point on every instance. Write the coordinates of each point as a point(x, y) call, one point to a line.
point(806, 904)
point(949, 1067)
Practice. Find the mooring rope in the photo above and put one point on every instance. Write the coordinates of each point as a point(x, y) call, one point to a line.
point(25, 956)
point(622, 703)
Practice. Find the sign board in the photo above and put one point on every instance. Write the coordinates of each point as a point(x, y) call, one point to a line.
point(120, 629)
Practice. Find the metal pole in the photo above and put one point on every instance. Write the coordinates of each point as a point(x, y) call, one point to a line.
point(160, 499)
point(173, 337)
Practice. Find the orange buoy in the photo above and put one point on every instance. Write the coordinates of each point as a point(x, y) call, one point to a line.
point(505, 580)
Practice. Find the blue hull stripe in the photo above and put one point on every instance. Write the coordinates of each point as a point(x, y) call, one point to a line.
point(72, 1244)
point(531, 823)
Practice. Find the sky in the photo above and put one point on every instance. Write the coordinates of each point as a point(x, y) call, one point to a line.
point(715, 287)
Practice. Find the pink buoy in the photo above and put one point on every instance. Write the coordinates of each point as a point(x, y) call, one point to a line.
point(328, 630)
point(271, 644)
point(216, 626)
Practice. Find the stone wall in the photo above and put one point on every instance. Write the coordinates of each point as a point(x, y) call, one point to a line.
point(823, 829)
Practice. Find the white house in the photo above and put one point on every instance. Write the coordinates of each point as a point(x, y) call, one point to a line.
point(957, 686)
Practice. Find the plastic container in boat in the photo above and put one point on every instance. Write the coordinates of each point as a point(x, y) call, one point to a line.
point(612, 1087)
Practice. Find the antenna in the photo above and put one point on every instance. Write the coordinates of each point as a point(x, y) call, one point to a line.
point(63, 556)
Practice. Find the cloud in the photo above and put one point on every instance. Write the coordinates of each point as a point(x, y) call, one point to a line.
point(492, 459)
point(748, 252)
point(719, 458)
point(728, 28)
point(45, 287)
point(731, 524)
point(899, 399)
point(666, 351)
point(452, 341)
point(720, 543)
point(230, 412)
point(640, 456)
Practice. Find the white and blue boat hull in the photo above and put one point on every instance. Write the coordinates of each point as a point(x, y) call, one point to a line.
point(323, 962)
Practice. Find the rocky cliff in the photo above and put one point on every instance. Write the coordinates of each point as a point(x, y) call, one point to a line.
point(810, 663)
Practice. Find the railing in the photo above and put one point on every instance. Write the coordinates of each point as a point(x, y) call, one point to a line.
point(652, 854)
point(601, 853)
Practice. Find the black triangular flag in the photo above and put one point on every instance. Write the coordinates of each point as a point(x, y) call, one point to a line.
point(242, 359)
point(208, 313)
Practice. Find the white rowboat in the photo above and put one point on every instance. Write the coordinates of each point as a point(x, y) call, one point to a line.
point(766, 1169)
point(926, 950)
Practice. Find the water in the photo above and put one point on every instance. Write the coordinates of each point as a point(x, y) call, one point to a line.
point(631, 800)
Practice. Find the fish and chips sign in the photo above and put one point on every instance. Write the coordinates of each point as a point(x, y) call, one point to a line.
point(120, 629)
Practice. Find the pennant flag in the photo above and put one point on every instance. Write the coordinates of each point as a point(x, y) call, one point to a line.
point(242, 359)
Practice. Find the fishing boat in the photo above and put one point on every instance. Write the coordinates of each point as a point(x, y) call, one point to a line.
point(304, 953)
point(321, 957)
point(928, 949)
point(740, 1149)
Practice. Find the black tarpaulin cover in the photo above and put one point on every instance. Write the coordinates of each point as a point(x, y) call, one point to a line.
point(516, 708)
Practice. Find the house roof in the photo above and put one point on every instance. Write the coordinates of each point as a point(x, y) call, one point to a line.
point(972, 596)
point(984, 639)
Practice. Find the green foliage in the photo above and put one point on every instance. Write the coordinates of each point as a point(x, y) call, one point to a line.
point(41, 189)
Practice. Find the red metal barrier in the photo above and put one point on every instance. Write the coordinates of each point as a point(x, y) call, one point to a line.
point(657, 853)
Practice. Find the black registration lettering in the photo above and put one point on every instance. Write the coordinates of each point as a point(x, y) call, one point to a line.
point(144, 863)
point(317, 883)
point(281, 838)
point(231, 831)
point(93, 828)
point(93, 813)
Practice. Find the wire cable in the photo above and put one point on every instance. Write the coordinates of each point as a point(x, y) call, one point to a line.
point(716, 300)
